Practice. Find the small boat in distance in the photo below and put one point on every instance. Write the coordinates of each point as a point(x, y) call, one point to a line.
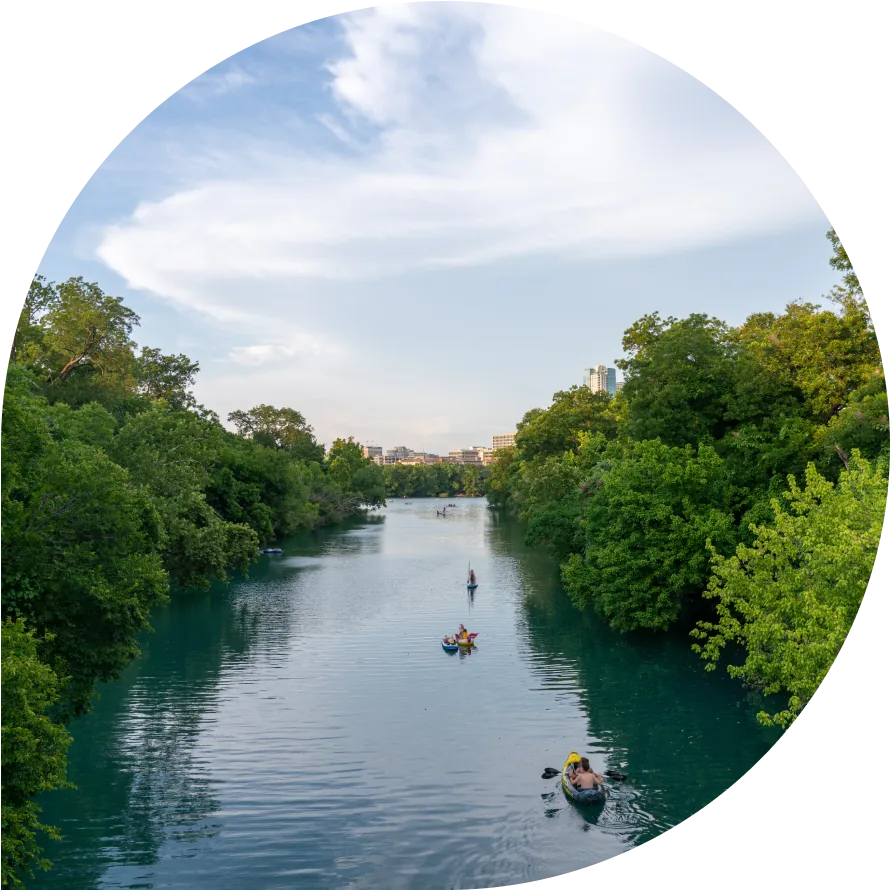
point(273, 550)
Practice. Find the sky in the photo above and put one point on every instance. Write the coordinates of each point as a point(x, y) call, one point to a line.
point(415, 223)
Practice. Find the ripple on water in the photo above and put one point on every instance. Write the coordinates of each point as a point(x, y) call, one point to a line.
point(305, 728)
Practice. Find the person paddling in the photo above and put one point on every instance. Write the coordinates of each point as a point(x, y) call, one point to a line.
point(583, 777)
point(472, 578)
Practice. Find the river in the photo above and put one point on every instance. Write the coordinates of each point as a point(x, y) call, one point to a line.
point(304, 728)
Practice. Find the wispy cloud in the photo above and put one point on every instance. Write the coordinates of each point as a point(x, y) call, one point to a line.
point(260, 354)
point(293, 346)
point(490, 133)
point(216, 82)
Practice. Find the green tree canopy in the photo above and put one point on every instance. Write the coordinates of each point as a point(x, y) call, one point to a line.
point(558, 428)
point(168, 377)
point(646, 524)
point(80, 546)
point(678, 379)
point(34, 750)
point(790, 598)
point(169, 453)
point(278, 428)
point(81, 329)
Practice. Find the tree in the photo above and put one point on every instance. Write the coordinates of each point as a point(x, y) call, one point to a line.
point(501, 484)
point(646, 525)
point(841, 262)
point(862, 425)
point(821, 355)
point(34, 750)
point(82, 328)
point(261, 487)
point(678, 379)
point(790, 598)
point(170, 454)
point(557, 429)
point(168, 377)
point(80, 547)
point(279, 428)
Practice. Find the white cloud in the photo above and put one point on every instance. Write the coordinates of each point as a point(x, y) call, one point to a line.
point(218, 83)
point(298, 346)
point(260, 354)
point(496, 132)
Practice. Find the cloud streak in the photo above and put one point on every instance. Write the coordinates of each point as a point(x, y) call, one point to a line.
point(217, 83)
point(486, 134)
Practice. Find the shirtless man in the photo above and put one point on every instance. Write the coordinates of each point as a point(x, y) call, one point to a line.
point(585, 777)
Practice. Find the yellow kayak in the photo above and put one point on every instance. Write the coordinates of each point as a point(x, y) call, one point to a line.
point(579, 795)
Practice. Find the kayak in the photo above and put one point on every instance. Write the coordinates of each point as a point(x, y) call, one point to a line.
point(472, 586)
point(449, 647)
point(273, 550)
point(579, 795)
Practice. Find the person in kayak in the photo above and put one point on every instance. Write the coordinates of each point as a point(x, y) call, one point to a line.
point(472, 577)
point(584, 777)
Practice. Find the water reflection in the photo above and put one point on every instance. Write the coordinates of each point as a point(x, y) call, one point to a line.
point(652, 710)
point(304, 726)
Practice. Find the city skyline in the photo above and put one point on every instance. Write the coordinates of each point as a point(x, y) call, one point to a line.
point(419, 245)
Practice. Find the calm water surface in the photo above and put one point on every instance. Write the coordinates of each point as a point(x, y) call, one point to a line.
point(304, 727)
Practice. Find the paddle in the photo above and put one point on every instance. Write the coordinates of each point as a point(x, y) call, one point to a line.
point(550, 773)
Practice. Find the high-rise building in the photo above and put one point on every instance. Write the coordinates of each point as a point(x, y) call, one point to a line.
point(619, 386)
point(601, 379)
point(504, 440)
point(372, 451)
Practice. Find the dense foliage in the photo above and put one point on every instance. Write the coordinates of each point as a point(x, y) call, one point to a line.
point(679, 500)
point(34, 749)
point(116, 487)
point(434, 480)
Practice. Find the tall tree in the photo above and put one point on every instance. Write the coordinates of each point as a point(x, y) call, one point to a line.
point(678, 379)
point(559, 428)
point(278, 428)
point(168, 377)
point(82, 328)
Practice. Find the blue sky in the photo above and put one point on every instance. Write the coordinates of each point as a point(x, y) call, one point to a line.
point(415, 223)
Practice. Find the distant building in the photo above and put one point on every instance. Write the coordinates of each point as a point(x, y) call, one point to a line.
point(400, 452)
point(484, 454)
point(601, 379)
point(372, 451)
point(504, 440)
point(465, 456)
point(619, 386)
